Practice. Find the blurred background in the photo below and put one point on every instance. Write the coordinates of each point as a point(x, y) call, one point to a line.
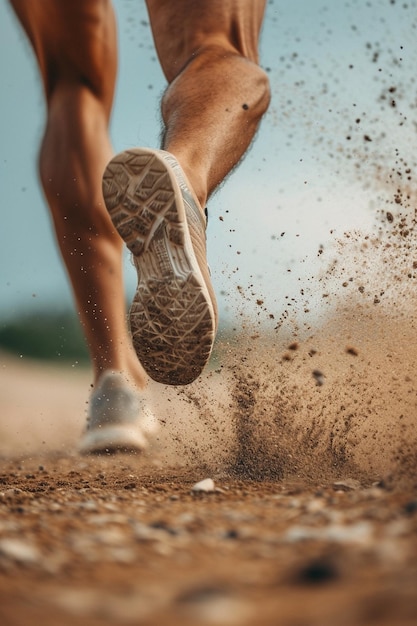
point(336, 148)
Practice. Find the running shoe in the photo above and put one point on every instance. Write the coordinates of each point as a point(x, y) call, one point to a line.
point(119, 420)
point(173, 317)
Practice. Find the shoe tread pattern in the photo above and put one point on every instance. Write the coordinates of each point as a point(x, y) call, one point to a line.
point(171, 317)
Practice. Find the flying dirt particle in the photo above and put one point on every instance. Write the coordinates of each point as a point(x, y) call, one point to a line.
point(351, 350)
point(312, 352)
point(367, 138)
point(390, 217)
point(293, 346)
point(376, 300)
point(259, 302)
point(245, 107)
point(318, 377)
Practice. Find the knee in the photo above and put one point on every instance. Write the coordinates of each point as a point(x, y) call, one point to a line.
point(220, 70)
point(252, 87)
point(259, 89)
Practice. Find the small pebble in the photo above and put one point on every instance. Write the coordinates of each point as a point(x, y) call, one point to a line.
point(206, 485)
point(411, 507)
point(18, 550)
point(349, 484)
point(316, 572)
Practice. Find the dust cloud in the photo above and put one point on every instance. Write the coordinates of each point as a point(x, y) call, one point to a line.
point(318, 402)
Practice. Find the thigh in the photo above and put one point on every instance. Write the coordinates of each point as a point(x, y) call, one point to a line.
point(181, 27)
point(74, 40)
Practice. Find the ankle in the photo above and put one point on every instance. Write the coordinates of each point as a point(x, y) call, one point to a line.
point(194, 174)
point(132, 371)
point(197, 185)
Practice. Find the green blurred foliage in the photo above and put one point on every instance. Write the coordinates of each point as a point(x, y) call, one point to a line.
point(45, 336)
point(58, 337)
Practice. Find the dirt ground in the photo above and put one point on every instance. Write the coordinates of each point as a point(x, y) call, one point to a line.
point(309, 434)
point(313, 516)
point(107, 541)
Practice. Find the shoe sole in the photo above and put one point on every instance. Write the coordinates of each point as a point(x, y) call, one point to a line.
point(119, 418)
point(113, 440)
point(172, 317)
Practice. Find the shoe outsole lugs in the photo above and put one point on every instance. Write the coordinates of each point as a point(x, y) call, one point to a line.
point(173, 315)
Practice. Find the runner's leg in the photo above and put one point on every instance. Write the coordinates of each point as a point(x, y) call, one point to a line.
point(76, 49)
point(215, 99)
point(217, 93)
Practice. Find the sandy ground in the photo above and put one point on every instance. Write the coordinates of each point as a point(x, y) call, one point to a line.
point(313, 516)
point(309, 433)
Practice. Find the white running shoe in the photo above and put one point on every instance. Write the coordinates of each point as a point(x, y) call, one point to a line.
point(173, 317)
point(119, 419)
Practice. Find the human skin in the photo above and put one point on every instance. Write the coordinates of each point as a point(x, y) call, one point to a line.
point(214, 101)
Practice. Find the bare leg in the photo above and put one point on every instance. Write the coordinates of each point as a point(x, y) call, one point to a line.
point(217, 93)
point(75, 45)
point(216, 96)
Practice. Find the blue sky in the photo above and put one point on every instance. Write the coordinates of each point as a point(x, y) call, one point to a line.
point(342, 115)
